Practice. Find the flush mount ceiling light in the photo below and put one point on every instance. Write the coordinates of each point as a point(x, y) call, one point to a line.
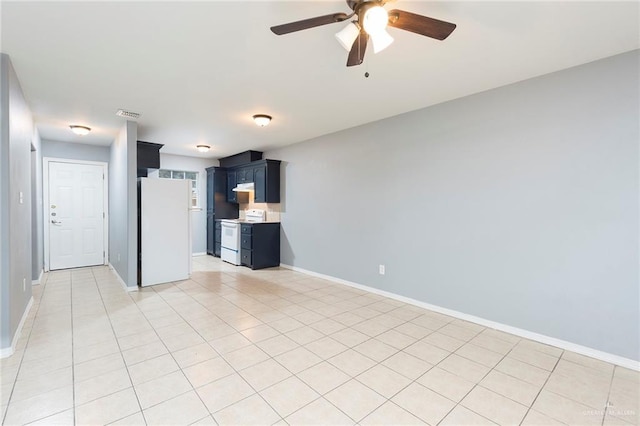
point(262, 119)
point(80, 130)
point(203, 148)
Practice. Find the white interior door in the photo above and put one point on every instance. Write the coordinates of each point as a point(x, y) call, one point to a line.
point(75, 215)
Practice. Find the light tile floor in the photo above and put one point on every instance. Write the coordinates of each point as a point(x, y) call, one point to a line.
point(235, 346)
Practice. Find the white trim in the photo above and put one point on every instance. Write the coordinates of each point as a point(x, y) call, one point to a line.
point(39, 280)
point(552, 341)
point(198, 254)
point(121, 281)
point(6, 352)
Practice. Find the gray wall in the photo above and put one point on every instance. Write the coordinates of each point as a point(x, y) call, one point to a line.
point(15, 217)
point(198, 216)
point(123, 224)
point(517, 205)
point(75, 151)
point(37, 230)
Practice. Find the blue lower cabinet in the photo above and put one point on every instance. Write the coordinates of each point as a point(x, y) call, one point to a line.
point(218, 240)
point(260, 245)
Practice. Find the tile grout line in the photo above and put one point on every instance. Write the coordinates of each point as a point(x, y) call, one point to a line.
point(73, 364)
point(169, 352)
point(22, 360)
point(478, 384)
point(120, 351)
point(571, 398)
point(404, 321)
point(221, 356)
point(24, 352)
point(412, 381)
point(273, 358)
point(504, 356)
point(254, 304)
point(369, 338)
point(542, 388)
point(606, 405)
point(436, 365)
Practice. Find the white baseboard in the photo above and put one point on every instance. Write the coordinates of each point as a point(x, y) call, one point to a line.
point(6, 352)
point(547, 340)
point(122, 283)
point(199, 254)
point(39, 280)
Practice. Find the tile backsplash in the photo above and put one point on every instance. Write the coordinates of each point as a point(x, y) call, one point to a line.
point(272, 209)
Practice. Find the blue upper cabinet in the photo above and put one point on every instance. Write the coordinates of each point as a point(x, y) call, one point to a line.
point(265, 174)
point(244, 174)
point(232, 196)
point(266, 178)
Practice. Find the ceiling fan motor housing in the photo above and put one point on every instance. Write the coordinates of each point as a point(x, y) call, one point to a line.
point(361, 7)
point(354, 4)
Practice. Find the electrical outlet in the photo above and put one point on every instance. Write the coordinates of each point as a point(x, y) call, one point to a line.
point(21, 197)
point(24, 284)
point(381, 269)
point(118, 257)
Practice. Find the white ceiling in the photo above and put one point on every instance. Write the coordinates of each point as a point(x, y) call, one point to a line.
point(197, 71)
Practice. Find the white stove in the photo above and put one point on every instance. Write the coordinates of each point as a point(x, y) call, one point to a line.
point(230, 240)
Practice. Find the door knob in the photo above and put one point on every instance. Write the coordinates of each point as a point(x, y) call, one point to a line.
point(55, 222)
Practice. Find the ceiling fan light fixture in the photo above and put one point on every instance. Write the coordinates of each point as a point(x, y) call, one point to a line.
point(262, 119)
point(347, 36)
point(375, 20)
point(80, 130)
point(203, 148)
point(381, 41)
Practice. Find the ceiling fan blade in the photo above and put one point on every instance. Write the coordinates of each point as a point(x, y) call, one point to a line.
point(309, 23)
point(419, 24)
point(356, 54)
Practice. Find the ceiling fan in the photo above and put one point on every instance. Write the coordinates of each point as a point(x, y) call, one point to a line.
point(371, 22)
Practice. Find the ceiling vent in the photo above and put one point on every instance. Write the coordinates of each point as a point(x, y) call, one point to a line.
point(128, 114)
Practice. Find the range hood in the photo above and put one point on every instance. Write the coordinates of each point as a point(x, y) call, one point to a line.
point(244, 187)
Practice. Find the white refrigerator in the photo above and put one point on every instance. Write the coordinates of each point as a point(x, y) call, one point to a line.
point(165, 230)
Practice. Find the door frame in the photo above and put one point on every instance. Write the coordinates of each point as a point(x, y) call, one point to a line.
point(45, 196)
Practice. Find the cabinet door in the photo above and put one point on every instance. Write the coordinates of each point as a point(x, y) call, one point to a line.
point(241, 176)
point(210, 190)
point(232, 196)
point(217, 243)
point(218, 239)
point(260, 179)
point(245, 258)
point(210, 233)
point(267, 182)
point(210, 212)
point(245, 175)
